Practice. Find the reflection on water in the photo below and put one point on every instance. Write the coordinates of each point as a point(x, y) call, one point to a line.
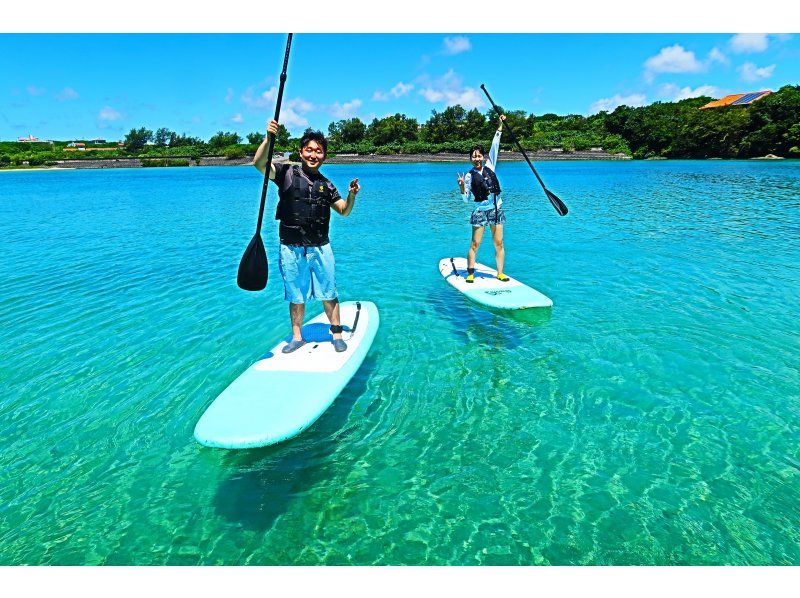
point(263, 482)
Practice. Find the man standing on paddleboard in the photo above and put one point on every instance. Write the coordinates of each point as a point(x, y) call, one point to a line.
point(481, 187)
point(304, 210)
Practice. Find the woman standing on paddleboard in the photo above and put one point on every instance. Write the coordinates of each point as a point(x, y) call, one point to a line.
point(481, 187)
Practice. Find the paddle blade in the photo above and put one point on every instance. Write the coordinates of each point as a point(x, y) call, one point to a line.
point(253, 269)
point(559, 205)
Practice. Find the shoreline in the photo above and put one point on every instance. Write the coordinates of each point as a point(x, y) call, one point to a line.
point(540, 156)
point(99, 164)
point(505, 156)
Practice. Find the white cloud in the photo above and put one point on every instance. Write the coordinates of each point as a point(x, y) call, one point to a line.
point(67, 94)
point(260, 101)
point(292, 111)
point(609, 104)
point(675, 93)
point(468, 98)
point(672, 59)
point(291, 119)
point(300, 105)
point(397, 91)
point(748, 43)
point(401, 89)
point(677, 59)
point(108, 114)
point(750, 72)
point(716, 55)
point(237, 118)
point(456, 45)
point(448, 89)
point(431, 95)
point(229, 95)
point(36, 91)
point(346, 110)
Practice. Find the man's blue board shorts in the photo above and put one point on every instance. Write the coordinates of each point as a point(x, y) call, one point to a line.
point(308, 273)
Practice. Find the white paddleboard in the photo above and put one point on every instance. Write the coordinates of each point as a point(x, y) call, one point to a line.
point(282, 394)
point(487, 290)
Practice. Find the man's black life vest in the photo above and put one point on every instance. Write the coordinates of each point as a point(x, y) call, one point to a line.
point(304, 211)
point(484, 183)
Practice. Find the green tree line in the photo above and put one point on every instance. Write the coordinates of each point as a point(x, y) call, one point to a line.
point(663, 129)
point(681, 130)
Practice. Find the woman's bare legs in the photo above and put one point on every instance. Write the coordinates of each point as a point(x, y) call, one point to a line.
point(499, 249)
point(477, 237)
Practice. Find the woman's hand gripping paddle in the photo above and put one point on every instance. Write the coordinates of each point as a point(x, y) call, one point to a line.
point(559, 205)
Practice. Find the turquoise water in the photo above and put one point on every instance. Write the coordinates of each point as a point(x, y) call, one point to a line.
point(650, 417)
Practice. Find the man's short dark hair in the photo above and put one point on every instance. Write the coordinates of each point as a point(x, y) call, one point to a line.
point(311, 135)
point(479, 148)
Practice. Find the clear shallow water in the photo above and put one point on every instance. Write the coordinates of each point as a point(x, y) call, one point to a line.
point(650, 417)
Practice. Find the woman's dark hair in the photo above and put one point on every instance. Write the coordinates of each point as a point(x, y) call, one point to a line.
point(479, 148)
point(311, 135)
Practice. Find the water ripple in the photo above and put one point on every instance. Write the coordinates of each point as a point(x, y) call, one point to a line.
point(650, 417)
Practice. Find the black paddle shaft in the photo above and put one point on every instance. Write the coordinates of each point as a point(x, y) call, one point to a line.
point(271, 143)
point(559, 205)
point(254, 266)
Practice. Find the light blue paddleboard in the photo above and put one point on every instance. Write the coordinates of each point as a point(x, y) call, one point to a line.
point(281, 395)
point(487, 290)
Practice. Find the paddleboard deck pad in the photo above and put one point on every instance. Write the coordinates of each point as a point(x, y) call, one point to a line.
point(282, 394)
point(487, 290)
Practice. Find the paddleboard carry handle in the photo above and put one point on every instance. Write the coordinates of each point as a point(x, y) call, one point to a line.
point(455, 271)
point(355, 322)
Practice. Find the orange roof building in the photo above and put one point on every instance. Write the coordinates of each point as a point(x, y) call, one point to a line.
point(738, 99)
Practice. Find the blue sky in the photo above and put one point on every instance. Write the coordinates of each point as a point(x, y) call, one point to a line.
point(101, 85)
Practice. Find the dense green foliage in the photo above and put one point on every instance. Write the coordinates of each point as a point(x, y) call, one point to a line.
point(392, 129)
point(681, 130)
point(347, 131)
point(255, 138)
point(663, 129)
point(234, 152)
point(222, 139)
point(162, 137)
point(136, 139)
point(282, 139)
